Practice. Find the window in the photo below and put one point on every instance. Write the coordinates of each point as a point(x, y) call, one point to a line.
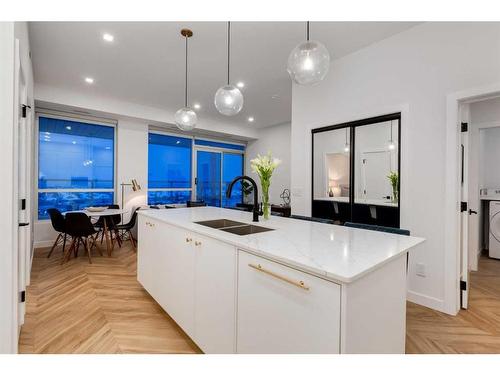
point(232, 168)
point(217, 164)
point(169, 169)
point(75, 165)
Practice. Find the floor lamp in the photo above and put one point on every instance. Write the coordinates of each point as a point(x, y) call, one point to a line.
point(135, 187)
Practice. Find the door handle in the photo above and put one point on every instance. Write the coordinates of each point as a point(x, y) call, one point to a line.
point(24, 224)
point(472, 212)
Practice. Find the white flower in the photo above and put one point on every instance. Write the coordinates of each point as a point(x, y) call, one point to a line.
point(265, 165)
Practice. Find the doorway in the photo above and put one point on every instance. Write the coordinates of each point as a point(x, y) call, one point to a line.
point(215, 168)
point(479, 190)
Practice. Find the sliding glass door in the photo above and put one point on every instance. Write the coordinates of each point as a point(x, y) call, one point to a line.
point(208, 177)
point(215, 169)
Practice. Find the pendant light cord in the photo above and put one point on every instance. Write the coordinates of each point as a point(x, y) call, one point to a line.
point(307, 30)
point(186, 80)
point(228, 48)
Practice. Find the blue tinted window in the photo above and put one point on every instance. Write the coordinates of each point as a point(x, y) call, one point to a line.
point(232, 168)
point(75, 155)
point(169, 162)
point(71, 201)
point(208, 187)
point(202, 142)
point(168, 197)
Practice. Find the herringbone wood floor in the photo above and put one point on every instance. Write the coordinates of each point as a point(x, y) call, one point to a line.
point(475, 330)
point(95, 308)
point(101, 308)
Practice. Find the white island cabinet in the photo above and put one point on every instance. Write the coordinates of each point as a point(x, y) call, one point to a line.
point(193, 278)
point(302, 287)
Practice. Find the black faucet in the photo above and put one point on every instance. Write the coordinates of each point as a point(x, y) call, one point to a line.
point(255, 210)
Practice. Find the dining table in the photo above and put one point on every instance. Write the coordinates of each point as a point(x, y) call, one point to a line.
point(106, 215)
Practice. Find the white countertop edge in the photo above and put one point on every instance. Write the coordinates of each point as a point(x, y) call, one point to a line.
point(212, 233)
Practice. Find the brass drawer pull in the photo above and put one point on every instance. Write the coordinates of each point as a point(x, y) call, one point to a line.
point(189, 239)
point(197, 243)
point(299, 284)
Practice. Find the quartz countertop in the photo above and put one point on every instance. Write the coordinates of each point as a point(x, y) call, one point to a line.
point(333, 252)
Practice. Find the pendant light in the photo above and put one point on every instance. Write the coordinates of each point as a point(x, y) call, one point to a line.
point(228, 99)
point(391, 145)
point(185, 118)
point(346, 145)
point(309, 62)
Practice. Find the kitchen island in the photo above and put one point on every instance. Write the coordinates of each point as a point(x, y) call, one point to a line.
point(298, 287)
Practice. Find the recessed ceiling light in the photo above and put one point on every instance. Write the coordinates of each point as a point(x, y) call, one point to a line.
point(47, 133)
point(196, 106)
point(177, 142)
point(275, 96)
point(251, 119)
point(89, 80)
point(108, 37)
point(74, 142)
point(108, 148)
point(240, 85)
point(68, 127)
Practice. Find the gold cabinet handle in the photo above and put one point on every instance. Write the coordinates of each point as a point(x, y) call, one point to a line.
point(299, 284)
point(197, 243)
point(189, 239)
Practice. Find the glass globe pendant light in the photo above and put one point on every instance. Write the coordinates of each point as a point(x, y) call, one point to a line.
point(346, 145)
point(228, 99)
point(391, 145)
point(185, 118)
point(309, 62)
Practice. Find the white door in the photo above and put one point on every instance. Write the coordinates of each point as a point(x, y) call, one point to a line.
point(376, 168)
point(464, 219)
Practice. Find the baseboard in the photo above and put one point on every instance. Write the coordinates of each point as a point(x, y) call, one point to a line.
point(39, 244)
point(430, 302)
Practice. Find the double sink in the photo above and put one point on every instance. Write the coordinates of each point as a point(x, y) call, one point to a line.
point(235, 227)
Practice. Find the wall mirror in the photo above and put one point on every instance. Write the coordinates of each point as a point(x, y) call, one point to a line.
point(355, 171)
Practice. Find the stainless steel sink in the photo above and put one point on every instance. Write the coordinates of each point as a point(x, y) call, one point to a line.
point(220, 223)
point(244, 230)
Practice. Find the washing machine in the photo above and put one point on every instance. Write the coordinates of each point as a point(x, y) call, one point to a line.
point(494, 248)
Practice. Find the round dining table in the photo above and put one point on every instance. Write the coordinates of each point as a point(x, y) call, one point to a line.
point(107, 212)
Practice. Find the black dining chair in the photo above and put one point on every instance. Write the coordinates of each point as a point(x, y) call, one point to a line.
point(59, 225)
point(378, 228)
point(196, 204)
point(126, 229)
point(81, 230)
point(315, 219)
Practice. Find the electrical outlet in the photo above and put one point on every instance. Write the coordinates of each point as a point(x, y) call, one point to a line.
point(420, 269)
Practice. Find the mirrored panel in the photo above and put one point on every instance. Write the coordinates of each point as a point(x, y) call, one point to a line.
point(376, 164)
point(331, 175)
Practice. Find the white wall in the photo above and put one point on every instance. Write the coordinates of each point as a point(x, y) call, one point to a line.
point(412, 72)
point(489, 157)
point(132, 148)
point(277, 140)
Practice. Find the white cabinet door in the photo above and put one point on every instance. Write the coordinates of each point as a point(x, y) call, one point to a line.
point(147, 250)
point(277, 314)
point(215, 295)
point(175, 268)
point(165, 267)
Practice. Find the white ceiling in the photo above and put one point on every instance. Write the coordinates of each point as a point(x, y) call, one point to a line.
point(145, 63)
